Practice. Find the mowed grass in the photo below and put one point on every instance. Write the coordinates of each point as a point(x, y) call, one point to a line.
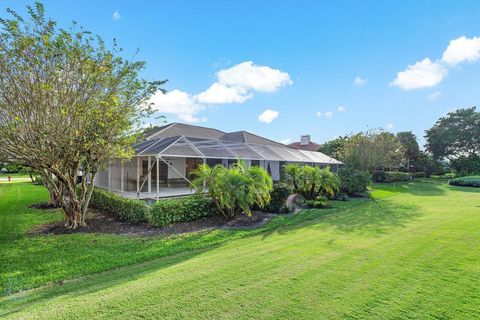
point(412, 253)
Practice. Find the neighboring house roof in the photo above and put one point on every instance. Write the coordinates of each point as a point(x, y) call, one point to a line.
point(182, 140)
point(311, 146)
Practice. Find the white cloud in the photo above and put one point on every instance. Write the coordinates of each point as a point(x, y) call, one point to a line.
point(359, 81)
point(286, 141)
point(462, 49)
point(328, 114)
point(251, 76)
point(389, 126)
point(434, 96)
point(179, 103)
point(319, 114)
point(268, 116)
point(341, 109)
point(423, 74)
point(219, 93)
point(116, 15)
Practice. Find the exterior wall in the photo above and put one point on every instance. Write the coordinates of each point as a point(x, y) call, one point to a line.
point(179, 164)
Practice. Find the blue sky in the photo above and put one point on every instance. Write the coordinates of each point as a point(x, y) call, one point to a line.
point(296, 59)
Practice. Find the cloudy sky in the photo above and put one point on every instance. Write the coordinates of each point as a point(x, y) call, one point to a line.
point(282, 69)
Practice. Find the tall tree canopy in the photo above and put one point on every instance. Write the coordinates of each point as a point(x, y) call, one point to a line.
point(457, 134)
point(332, 148)
point(67, 103)
point(410, 147)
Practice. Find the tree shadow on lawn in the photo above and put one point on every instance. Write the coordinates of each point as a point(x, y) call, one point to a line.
point(422, 188)
point(370, 217)
point(92, 283)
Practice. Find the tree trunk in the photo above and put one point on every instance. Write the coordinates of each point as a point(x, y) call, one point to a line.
point(75, 215)
point(54, 188)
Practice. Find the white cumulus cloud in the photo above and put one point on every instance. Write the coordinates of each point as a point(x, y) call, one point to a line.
point(423, 74)
point(359, 81)
point(219, 93)
point(251, 76)
point(341, 109)
point(462, 49)
point(116, 15)
point(319, 114)
point(434, 96)
point(268, 116)
point(328, 114)
point(179, 103)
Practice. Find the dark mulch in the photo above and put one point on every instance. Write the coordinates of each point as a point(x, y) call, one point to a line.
point(43, 206)
point(102, 222)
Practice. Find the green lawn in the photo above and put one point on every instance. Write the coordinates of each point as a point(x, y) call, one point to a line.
point(412, 253)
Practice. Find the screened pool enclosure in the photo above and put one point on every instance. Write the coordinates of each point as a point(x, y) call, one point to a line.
point(162, 167)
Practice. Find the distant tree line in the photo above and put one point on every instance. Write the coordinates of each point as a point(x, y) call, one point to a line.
point(452, 144)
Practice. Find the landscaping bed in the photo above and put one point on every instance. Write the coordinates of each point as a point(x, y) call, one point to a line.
point(469, 181)
point(99, 221)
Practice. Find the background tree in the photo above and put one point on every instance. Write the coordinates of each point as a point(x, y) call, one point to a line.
point(312, 182)
point(332, 148)
point(67, 103)
point(455, 138)
point(372, 151)
point(411, 149)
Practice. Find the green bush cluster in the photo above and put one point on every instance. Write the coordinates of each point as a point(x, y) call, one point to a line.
point(278, 198)
point(419, 174)
point(168, 211)
point(353, 181)
point(320, 202)
point(469, 181)
point(126, 209)
point(391, 176)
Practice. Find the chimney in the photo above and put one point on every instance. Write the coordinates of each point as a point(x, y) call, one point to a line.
point(305, 139)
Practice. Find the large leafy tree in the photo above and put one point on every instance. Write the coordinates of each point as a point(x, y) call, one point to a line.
point(234, 190)
point(67, 104)
point(372, 151)
point(410, 147)
point(455, 138)
point(332, 148)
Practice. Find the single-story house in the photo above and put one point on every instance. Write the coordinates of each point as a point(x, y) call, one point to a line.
point(163, 162)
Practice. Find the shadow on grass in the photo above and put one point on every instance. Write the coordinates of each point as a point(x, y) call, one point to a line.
point(426, 188)
point(85, 285)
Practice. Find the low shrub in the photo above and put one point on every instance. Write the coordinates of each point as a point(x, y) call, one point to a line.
point(469, 181)
point(318, 203)
point(126, 209)
point(419, 174)
point(168, 211)
point(353, 181)
point(391, 176)
point(278, 198)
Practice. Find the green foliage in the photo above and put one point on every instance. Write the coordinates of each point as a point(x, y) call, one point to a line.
point(373, 151)
point(391, 176)
point(320, 202)
point(311, 182)
point(332, 148)
point(131, 210)
point(419, 174)
point(469, 181)
point(278, 198)
point(168, 211)
point(353, 181)
point(411, 149)
point(465, 165)
point(456, 135)
point(236, 189)
point(426, 163)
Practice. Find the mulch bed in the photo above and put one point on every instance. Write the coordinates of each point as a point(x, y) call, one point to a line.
point(43, 206)
point(102, 222)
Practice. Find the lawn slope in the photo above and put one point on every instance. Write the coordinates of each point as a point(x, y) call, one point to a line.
point(412, 253)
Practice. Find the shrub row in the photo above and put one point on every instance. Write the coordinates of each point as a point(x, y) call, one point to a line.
point(469, 181)
point(165, 212)
point(162, 213)
point(391, 176)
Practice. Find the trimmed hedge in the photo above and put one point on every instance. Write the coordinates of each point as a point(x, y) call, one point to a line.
point(168, 211)
point(469, 181)
point(391, 176)
point(278, 198)
point(126, 209)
